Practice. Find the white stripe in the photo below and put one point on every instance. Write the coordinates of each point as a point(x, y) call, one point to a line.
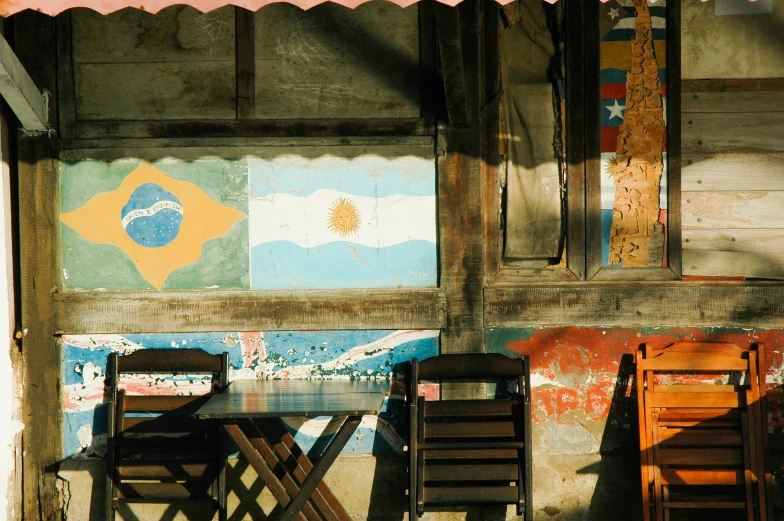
point(358, 353)
point(305, 221)
point(152, 210)
point(657, 22)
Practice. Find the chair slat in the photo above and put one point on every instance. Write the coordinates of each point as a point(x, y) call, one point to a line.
point(167, 425)
point(695, 400)
point(470, 454)
point(701, 477)
point(169, 361)
point(688, 362)
point(470, 366)
point(470, 408)
point(162, 491)
point(472, 472)
point(459, 496)
point(174, 470)
point(470, 430)
point(152, 404)
point(688, 439)
point(701, 457)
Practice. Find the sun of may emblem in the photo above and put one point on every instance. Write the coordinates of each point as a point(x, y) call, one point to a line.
point(344, 217)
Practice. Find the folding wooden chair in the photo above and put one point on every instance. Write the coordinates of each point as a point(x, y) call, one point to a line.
point(157, 452)
point(701, 445)
point(471, 452)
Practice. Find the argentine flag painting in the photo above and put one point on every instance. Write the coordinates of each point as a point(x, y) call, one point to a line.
point(336, 222)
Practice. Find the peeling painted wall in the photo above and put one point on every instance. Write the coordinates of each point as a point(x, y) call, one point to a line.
point(367, 355)
point(584, 407)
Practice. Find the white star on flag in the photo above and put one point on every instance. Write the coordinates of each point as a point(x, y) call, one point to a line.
point(616, 110)
point(614, 13)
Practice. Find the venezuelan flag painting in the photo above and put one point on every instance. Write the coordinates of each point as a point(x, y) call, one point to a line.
point(333, 222)
point(131, 224)
point(633, 90)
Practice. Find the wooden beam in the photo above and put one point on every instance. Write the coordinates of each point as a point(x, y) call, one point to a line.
point(459, 193)
point(20, 92)
point(37, 188)
point(250, 128)
point(638, 304)
point(206, 311)
point(450, 47)
point(42, 438)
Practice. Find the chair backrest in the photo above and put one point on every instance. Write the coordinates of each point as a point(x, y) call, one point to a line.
point(142, 462)
point(470, 451)
point(703, 433)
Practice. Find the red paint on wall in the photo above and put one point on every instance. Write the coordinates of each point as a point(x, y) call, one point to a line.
point(576, 372)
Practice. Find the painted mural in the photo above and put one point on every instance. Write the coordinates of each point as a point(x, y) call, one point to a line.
point(339, 223)
point(168, 225)
point(366, 355)
point(283, 223)
point(582, 375)
point(633, 128)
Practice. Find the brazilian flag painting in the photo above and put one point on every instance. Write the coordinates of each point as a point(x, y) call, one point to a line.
point(132, 225)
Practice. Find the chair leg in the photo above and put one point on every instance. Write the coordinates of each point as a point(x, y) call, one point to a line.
point(222, 463)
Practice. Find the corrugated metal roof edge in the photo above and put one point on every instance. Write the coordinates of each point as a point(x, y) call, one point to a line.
point(55, 7)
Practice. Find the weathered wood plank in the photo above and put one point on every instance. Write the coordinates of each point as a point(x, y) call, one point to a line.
point(177, 34)
point(459, 188)
point(42, 435)
point(66, 97)
point(452, 63)
point(155, 91)
point(246, 63)
point(734, 85)
point(730, 172)
point(759, 242)
point(251, 128)
point(708, 263)
point(329, 62)
point(20, 91)
point(739, 102)
point(653, 304)
point(35, 43)
point(196, 311)
point(731, 132)
point(738, 209)
point(734, 253)
point(674, 138)
point(575, 130)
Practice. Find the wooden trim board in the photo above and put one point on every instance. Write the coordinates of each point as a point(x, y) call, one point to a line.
point(209, 311)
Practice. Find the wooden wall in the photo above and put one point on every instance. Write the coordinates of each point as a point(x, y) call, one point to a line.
point(732, 185)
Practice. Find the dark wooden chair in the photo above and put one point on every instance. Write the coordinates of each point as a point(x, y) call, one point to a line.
point(471, 452)
point(701, 444)
point(157, 452)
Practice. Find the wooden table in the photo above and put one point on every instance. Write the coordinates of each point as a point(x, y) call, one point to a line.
point(251, 412)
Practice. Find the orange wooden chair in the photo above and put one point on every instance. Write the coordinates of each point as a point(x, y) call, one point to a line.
point(702, 445)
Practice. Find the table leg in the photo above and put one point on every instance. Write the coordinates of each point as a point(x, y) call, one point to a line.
point(260, 466)
point(313, 479)
point(298, 463)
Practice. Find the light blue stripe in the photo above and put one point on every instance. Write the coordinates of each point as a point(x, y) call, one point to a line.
point(371, 179)
point(284, 265)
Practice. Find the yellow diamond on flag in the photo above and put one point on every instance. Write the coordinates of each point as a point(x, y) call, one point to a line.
point(162, 223)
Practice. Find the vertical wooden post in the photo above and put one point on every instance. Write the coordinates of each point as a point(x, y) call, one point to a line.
point(42, 438)
point(460, 223)
point(35, 45)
